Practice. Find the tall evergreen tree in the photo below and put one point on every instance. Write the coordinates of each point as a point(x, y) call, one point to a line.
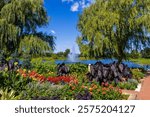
point(112, 27)
point(19, 20)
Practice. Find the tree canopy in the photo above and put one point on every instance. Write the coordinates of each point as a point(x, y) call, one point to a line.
point(113, 27)
point(146, 52)
point(19, 20)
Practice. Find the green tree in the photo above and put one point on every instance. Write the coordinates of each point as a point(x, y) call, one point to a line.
point(112, 27)
point(19, 20)
point(66, 53)
point(60, 54)
point(146, 53)
point(135, 54)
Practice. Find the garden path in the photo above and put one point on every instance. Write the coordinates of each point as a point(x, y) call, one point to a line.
point(144, 94)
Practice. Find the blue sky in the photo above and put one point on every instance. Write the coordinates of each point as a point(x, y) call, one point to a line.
point(63, 21)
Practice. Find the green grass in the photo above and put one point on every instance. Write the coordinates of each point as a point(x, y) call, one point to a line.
point(48, 58)
point(143, 61)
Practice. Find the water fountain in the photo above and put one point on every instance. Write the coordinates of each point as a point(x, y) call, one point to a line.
point(73, 57)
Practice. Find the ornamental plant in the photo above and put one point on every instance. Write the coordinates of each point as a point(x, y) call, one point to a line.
point(8, 95)
point(40, 91)
point(44, 67)
point(127, 85)
point(13, 80)
point(90, 91)
point(41, 78)
point(78, 68)
point(137, 74)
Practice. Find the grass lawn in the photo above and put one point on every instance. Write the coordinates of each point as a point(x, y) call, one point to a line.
point(141, 61)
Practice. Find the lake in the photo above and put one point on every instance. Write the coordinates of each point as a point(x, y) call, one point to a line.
point(105, 61)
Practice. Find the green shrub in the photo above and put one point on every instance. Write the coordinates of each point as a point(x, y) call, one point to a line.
point(78, 68)
point(137, 74)
point(44, 67)
point(12, 80)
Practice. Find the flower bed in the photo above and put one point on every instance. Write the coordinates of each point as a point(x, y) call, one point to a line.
point(38, 77)
point(90, 91)
point(44, 84)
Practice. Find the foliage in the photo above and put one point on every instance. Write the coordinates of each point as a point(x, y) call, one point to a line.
point(60, 55)
point(43, 58)
point(66, 53)
point(44, 67)
point(63, 54)
point(54, 56)
point(146, 53)
point(35, 90)
point(128, 85)
point(73, 90)
point(41, 83)
point(8, 95)
point(12, 80)
point(92, 91)
point(26, 62)
point(134, 54)
point(2, 57)
point(78, 68)
point(34, 45)
point(137, 74)
point(50, 39)
point(19, 20)
point(111, 27)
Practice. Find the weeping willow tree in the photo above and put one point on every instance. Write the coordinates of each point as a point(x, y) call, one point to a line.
point(19, 20)
point(113, 27)
point(36, 45)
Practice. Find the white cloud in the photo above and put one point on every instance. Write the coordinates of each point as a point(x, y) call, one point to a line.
point(79, 4)
point(52, 31)
point(75, 7)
